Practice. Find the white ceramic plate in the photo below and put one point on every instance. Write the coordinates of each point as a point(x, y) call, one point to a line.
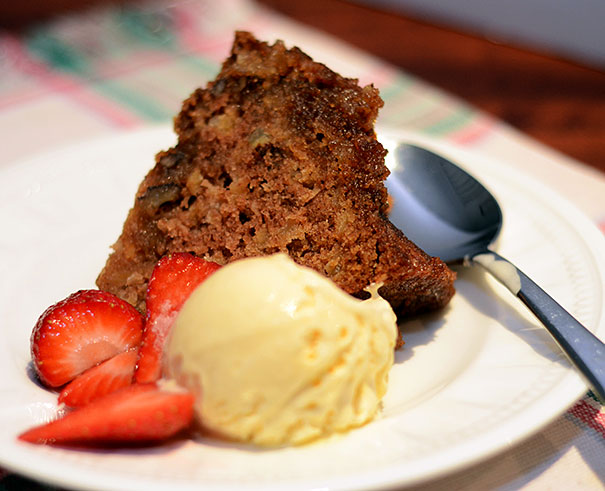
point(471, 380)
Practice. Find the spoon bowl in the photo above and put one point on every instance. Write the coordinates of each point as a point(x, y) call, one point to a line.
point(451, 215)
point(440, 207)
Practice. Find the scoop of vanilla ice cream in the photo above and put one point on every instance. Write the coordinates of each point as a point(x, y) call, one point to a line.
point(277, 354)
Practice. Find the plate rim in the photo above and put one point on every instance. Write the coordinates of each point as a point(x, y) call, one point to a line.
point(576, 387)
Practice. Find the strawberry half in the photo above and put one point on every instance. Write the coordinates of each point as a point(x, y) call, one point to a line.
point(100, 380)
point(137, 413)
point(85, 329)
point(174, 278)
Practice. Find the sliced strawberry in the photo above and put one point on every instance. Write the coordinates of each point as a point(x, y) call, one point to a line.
point(81, 331)
point(100, 380)
point(137, 413)
point(174, 278)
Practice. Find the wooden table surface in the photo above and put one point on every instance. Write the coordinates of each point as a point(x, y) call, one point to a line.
point(557, 102)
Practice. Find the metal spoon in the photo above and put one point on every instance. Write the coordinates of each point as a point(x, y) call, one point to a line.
point(449, 214)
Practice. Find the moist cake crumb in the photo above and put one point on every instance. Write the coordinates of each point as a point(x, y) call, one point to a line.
point(278, 153)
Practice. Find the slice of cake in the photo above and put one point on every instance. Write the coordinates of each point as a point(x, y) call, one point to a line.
point(278, 153)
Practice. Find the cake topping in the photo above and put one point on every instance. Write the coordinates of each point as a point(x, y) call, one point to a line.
point(100, 380)
point(172, 281)
point(277, 354)
point(81, 331)
point(137, 413)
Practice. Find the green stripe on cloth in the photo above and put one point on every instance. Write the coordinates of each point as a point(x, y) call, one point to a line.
point(66, 58)
point(205, 66)
point(396, 87)
point(154, 28)
point(593, 397)
point(454, 121)
point(408, 113)
point(56, 53)
point(130, 98)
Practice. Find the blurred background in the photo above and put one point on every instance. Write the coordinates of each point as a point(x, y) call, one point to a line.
point(538, 65)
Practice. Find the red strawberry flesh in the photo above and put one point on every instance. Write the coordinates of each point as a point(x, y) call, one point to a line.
point(174, 278)
point(80, 332)
point(137, 413)
point(100, 380)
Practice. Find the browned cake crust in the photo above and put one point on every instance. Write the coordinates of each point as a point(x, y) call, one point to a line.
point(277, 154)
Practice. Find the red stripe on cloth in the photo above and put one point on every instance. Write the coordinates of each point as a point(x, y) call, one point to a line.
point(590, 415)
point(193, 40)
point(58, 83)
point(478, 129)
point(381, 76)
point(121, 67)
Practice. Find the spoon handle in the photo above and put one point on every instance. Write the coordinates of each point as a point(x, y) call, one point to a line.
point(582, 347)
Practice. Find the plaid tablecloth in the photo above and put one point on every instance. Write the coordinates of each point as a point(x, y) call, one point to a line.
point(119, 68)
